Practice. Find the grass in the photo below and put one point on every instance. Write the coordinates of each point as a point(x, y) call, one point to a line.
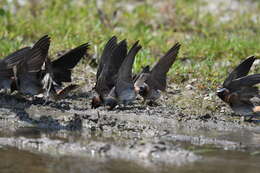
point(213, 42)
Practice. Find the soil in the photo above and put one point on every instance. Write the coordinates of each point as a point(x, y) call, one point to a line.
point(182, 130)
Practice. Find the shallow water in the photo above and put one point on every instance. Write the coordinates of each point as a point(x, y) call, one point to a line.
point(213, 159)
point(14, 160)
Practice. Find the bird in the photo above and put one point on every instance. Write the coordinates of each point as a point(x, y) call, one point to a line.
point(61, 67)
point(56, 72)
point(28, 72)
point(155, 81)
point(112, 57)
point(239, 90)
point(124, 91)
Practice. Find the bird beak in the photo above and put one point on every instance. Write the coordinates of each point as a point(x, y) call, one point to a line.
point(222, 93)
point(221, 90)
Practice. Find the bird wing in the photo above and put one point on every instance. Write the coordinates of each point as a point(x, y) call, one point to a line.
point(70, 59)
point(157, 78)
point(107, 78)
point(106, 54)
point(7, 63)
point(125, 71)
point(15, 58)
point(246, 81)
point(145, 69)
point(116, 60)
point(240, 71)
point(35, 58)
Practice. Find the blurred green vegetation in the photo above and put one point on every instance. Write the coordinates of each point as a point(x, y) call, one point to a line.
point(214, 37)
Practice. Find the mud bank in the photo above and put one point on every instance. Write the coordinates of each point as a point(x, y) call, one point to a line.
point(147, 136)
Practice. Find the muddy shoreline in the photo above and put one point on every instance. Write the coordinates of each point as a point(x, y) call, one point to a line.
point(148, 136)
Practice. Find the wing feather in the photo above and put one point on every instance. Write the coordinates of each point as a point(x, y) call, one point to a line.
point(157, 78)
point(240, 71)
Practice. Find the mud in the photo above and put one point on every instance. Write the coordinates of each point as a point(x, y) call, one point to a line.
point(161, 138)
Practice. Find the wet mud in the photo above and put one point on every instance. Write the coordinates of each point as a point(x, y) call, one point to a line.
point(160, 138)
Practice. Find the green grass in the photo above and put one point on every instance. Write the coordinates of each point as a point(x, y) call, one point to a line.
point(208, 43)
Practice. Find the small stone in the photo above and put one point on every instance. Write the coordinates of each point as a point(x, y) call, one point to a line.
point(189, 87)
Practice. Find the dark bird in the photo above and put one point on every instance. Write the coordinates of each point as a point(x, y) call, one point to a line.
point(7, 82)
point(239, 92)
point(61, 67)
point(155, 81)
point(110, 62)
point(60, 70)
point(28, 72)
point(124, 91)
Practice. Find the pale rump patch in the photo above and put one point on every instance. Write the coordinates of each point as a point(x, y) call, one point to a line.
point(137, 89)
point(256, 109)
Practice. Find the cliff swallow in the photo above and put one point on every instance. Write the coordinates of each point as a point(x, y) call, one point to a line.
point(156, 78)
point(111, 60)
point(28, 72)
point(124, 90)
point(58, 71)
point(238, 90)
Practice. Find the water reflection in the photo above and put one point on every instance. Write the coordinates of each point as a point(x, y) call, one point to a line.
point(13, 160)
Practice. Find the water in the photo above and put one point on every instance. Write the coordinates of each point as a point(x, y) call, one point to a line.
point(213, 159)
point(13, 160)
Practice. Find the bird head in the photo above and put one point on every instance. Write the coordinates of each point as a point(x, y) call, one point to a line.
point(96, 102)
point(222, 93)
point(143, 90)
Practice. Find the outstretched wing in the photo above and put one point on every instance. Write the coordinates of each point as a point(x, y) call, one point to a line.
point(35, 58)
point(7, 63)
point(70, 59)
point(157, 78)
point(107, 78)
point(116, 60)
point(246, 81)
point(240, 71)
point(15, 58)
point(106, 54)
point(124, 79)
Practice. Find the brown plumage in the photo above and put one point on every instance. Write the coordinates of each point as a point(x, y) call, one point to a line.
point(238, 90)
